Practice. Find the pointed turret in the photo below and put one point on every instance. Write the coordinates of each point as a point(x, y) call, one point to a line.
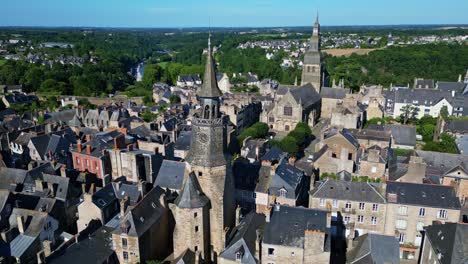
point(210, 84)
point(191, 195)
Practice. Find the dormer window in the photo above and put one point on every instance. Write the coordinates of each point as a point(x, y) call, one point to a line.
point(239, 256)
point(282, 193)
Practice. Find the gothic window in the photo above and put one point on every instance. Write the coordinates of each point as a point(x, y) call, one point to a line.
point(313, 69)
point(287, 111)
point(286, 128)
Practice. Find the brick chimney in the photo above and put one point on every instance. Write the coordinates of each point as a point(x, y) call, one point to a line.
point(79, 146)
point(88, 149)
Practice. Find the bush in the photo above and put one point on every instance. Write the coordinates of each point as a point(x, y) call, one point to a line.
point(257, 130)
point(446, 144)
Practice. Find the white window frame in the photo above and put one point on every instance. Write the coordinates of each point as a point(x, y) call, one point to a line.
point(360, 219)
point(322, 202)
point(403, 210)
point(422, 212)
point(442, 214)
point(362, 206)
point(375, 207)
point(401, 224)
point(374, 220)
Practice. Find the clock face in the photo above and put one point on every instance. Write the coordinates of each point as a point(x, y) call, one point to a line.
point(203, 137)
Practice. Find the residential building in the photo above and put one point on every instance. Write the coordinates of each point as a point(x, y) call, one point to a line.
point(361, 205)
point(412, 206)
point(296, 235)
point(373, 248)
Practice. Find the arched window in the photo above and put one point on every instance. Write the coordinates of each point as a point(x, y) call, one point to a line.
point(207, 112)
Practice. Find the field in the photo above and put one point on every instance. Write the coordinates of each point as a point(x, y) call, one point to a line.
point(347, 52)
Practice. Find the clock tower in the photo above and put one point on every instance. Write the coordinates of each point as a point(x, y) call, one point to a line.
point(207, 160)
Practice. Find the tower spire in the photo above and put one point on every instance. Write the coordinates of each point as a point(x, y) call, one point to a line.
point(317, 17)
point(210, 84)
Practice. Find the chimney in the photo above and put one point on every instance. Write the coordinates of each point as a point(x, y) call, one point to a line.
point(39, 186)
point(238, 210)
point(83, 188)
point(130, 147)
point(258, 243)
point(91, 188)
point(63, 171)
point(79, 146)
point(459, 78)
point(32, 165)
point(142, 188)
point(313, 243)
point(88, 149)
point(123, 206)
point(453, 93)
point(20, 223)
point(47, 245)
point(267, 214)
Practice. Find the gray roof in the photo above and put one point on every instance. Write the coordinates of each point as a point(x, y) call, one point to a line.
point(286, 177)
point(274, 154)
point(171, 175)
point(191, 195)
point(349, 191)
point(145, 214)
point(457, 126)
point(425, 82)
point(462, 144)
point(374, 248)
point(451, 86)
point(243, 238)
point(287, 226)
point(306, 95)
point(450, 240)
point(20, 244)
point(403, 135)
point(333, 93)
point(187, 257)
point(96, 248)
point(438, 196)
point(183, 141)
point(122, 189)
point(439, 164)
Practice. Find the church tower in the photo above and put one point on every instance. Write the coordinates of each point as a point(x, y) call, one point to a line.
point(208, 162)
point(312, 68)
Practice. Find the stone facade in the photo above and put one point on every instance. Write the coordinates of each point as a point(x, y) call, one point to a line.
point(312, 68)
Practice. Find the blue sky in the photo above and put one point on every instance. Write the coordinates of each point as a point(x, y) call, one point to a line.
point(232, 13)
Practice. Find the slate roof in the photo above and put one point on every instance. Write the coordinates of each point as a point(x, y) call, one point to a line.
point(123, 189)
point(187, 257)
point(20, 244)
point(439, 164)
point(62, 185)
point(171, 175)
point(427, 97)
point(104, 197)
point(183, 141)
point(209, 87)
point(438, 196)
point(348, 190)
point(274, 154)
point(145, 214)
point(191, 195)
point(374, 248)
point(306, 95)
point(10, 177)
point(451, 86)
point(457, 126)
point(243, 238)
point(288, 224)
point(96, 248)
point(450, 240)
point(370, 134)
point(462, 144)
point(286, 177)
point(333, 93)
point(403, 135)
point(424, 82)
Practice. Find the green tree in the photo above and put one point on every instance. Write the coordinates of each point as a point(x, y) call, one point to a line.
point(289, 144)
point(426, 131)
point(408, 112)
point(174, 99)
point(444, 112)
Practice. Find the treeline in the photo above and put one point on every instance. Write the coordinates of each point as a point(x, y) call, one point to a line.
point(400, 65)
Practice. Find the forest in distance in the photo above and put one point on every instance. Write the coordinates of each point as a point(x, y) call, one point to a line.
point(168, 55)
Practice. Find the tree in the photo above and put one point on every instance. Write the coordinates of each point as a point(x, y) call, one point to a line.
point(257, 130)
point(151, 75)
point(174, 99)
point(408, 112)
point(444, 112)
point(426, 131)
point(289, 144)
point(446, 144)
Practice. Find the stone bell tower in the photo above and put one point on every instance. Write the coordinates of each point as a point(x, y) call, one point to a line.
point(208, 162)
point(312, 68)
